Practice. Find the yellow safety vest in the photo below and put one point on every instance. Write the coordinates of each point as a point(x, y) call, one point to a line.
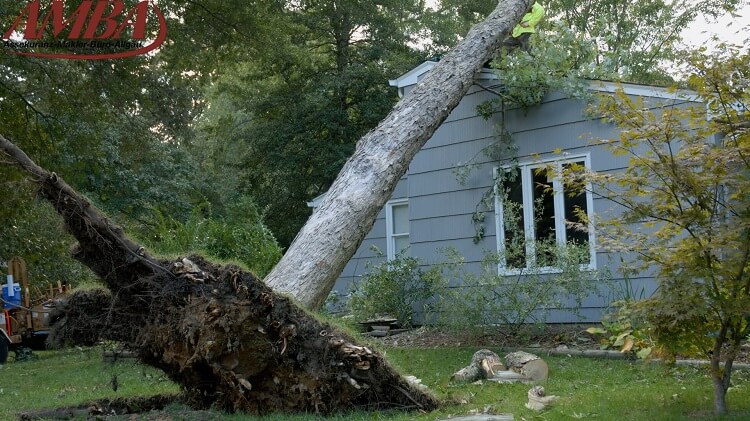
point(531, 19)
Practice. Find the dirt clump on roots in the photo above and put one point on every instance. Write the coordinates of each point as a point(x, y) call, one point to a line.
point(218, 331)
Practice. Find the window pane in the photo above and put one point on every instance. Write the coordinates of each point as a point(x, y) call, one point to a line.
point(512, 202)
point(401, 244)
point(400, 219)
point(575, 203)
point(544, 205)
point(544, 216)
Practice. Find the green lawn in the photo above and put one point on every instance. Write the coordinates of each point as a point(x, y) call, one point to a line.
point(588, 389)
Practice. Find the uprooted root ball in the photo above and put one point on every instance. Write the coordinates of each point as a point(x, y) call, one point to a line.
point(232, 342)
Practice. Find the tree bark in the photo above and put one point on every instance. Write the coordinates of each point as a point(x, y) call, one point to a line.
point(333, 233)
point(720, 377)
point(720, 393)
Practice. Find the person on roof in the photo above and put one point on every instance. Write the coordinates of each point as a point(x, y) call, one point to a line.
point(522, 32)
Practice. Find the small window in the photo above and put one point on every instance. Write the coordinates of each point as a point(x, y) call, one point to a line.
point(538, 207)
point(397, 226)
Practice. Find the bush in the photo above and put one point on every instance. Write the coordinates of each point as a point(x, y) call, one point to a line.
point(241, 237)
point(396, 288)
point(626, 329)
point(490, 298)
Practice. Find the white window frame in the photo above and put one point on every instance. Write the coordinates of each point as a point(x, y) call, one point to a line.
point(528, 213)
point(390, 235)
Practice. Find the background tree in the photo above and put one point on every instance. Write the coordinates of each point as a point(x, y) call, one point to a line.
point(687, 185)
point(634, 41)
point(284, 121)
point(119, 130)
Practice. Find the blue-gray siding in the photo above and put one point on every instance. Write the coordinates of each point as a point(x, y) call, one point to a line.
point(440, 207)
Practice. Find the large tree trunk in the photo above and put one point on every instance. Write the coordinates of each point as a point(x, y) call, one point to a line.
point(331, 236)
point(219, 332)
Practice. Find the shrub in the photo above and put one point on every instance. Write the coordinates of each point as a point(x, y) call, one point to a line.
point(396, 288)
point(241, 238)
point(490, 298)
point(626, 330)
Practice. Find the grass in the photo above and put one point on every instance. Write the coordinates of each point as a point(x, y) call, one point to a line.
point(588, 389)
point(71, 377)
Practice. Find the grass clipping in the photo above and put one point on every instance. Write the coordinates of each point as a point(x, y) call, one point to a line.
point(218, 331)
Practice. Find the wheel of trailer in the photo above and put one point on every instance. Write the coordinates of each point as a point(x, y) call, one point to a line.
point(3, 350)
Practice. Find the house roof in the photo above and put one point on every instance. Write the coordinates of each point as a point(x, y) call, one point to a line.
point(414, 75)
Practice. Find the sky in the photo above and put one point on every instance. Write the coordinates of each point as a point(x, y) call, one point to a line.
point(728, 29)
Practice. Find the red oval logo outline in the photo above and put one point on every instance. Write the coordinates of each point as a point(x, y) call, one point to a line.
point(161, 37)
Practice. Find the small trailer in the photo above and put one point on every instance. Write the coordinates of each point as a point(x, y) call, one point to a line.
point(23, 313)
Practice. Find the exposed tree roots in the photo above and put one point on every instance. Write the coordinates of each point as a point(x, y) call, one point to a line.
point(220, 332)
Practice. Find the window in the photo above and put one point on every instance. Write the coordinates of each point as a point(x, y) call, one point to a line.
point(537, 209)
point(397, 227)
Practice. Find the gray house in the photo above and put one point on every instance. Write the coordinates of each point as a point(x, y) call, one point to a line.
point(431, 209)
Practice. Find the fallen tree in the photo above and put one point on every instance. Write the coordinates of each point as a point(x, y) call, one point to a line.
point(218, 331)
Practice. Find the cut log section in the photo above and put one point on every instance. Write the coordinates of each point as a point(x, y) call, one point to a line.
point(484, 365)
point(522, 367)
point(218, 331)
point(529, 365)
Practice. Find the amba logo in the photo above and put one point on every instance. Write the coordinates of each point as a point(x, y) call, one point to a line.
point(93, 25)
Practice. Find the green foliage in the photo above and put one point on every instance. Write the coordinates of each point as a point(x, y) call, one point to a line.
point(635, 40)
point(33, 231)
point(242, 238)
point(397, 288)
point(113, 129)
point(513, 300)
point(559, 60)
point(686, 195)
point(124, 133)
point(626, 330)
point(285, 120)
point(450, 20)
